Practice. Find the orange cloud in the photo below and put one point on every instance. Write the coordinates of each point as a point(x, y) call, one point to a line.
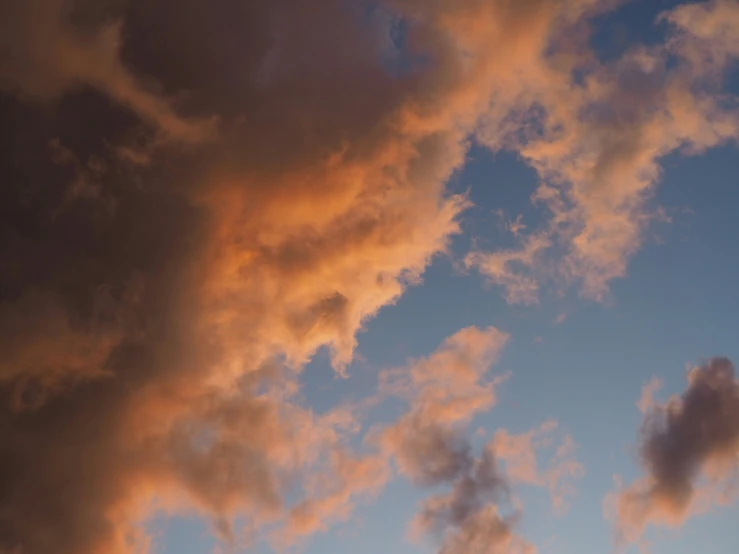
point(430, 445)
point(689, 451)
point(519, 452)
point(185, 398)
point(331, 494)
point(710, 37)
point(597, 145)
point(504, 268)
point(445, 390)
point(307, 215)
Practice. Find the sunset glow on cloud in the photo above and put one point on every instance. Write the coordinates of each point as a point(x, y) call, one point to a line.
point(368, 275)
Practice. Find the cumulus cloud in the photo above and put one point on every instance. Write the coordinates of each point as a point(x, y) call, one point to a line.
point(467, 518)
point(431, 446)
point(445, 391)
point(596, 143)
point(689, 451)
point(308, 213)
point(480, 513)
point(45, 350)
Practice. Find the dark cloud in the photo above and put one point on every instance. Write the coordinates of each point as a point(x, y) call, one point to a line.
point(689, 451)
point(158, 276)
point(466, 519)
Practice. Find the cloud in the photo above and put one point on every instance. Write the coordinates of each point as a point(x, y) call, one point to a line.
point(646, 400)
point(332, 494)
point(504, 268)
point(445, 390)
point(597, 142)
point(47, 55)
point(519, 452)
point(318, 202)
point(709, 36)
point(431, 447)
point(689, 451)
point(467, 518)
point(284, 234)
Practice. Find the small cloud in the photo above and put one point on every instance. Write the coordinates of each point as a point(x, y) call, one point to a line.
point(646, 401)
point(689, 451)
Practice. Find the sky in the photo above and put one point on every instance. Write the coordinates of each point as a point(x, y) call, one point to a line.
point(402, 276)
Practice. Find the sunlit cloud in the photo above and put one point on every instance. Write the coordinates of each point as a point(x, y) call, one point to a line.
point(596, 143)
